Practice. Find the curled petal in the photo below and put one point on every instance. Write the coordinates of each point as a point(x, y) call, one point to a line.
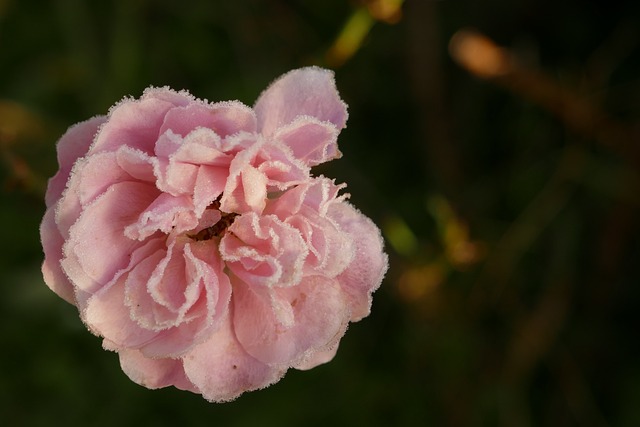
point(137, 123)
point(264, 251)
point(320, 317)
point(304, 92)
point(222, 370)
point(166, 213)
point(154, 373)
point(311, 141)
point(97, 247)
point(52, 242)
point(71, 146)
point(364, 274)
point(90, 178)
point(224, 118)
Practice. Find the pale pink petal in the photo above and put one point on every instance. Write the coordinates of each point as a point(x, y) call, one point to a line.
point(264, 251)
point(138, 165)
point(137, 123)
point(52, 242)
point(277, 162)
point(71, 146)
point(320, 319)
point(167, 214)
point(222, 370)
point(107, 315)
point(317, 358)
point(90, 178)
point(97, 241)
point(364, 275)
point(311, 141)
point(330, 249)
point(225, 118)
point(235, 197)
point(154, 373)
point(303, 92)
point(209, 185)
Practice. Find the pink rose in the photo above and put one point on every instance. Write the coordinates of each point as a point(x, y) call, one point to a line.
point(193, 238)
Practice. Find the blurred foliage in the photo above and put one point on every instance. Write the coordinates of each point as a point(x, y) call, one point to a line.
point(501, 162)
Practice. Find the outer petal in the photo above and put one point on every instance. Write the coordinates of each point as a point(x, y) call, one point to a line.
point(222, 370)
point(97, 247)
point(225, 118)
point(137, 123)
point(304, 92)
point(320, 317)
point(311, 141)
point(154, 373)
point(52, 242)
point(71, 146)
point(364, 275)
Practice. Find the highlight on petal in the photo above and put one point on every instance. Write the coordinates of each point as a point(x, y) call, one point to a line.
point(222, 370)
point(154, 373)
point(364, 274)
point(320, 317)
point(307, 91)
point(311, 141)
point(194, 239)
point(72, 145)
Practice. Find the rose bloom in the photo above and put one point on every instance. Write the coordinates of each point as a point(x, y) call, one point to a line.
point(194, 239)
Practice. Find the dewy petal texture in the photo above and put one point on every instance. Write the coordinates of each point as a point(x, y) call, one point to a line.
point(194, 239)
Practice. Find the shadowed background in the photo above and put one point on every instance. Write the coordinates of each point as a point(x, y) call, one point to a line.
point(496, 143)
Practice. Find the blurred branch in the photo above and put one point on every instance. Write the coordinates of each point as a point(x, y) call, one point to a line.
point(483, 58)
point(358, 26)
point(522, 232)
point(428, 85)
point(576, 390)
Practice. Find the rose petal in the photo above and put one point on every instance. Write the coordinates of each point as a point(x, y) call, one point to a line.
point(225, 118)
point(71, 146)
point(222, 370)
point(52, 242)
point(364, 275)
point(97, 247)
point(320, 318)
point(311, 141)
point(167, 214)
point(264, 251)
point(304, 92)
point(154, 373)
point(137, 123)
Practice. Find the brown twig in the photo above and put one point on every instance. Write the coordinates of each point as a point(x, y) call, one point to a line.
point(482, 57)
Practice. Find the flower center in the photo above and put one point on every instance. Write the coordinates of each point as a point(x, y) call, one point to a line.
point(217, 229)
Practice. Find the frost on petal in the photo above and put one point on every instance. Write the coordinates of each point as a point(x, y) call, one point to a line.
point(107, 314)
point(261, 168)
point(181, 294)
point(52, 242)
point(364, 275)
point(311, 141)
point(97, 247)
point(154, 373)
point(224, 118)
point(303, 92)
point(166, 213)
point(90, 178)
point(264, 251)
point(317, 358)
point(137, 123)
point(320, 315)
point(71, 146)
point(222, 370)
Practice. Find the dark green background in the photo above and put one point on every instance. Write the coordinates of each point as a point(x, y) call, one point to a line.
point(541, 329)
